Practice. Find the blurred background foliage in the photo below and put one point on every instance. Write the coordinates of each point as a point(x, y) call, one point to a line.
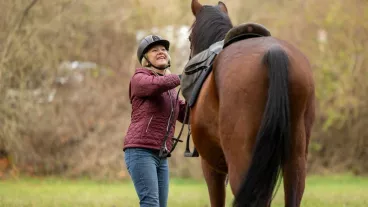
point(65, 67)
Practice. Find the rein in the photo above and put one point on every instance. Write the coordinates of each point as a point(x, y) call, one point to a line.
point(164, 152)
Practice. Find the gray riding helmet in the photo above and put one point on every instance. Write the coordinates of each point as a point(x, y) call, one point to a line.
point(148, 42)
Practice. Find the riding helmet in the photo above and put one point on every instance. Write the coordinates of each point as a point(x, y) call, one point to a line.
point(150, 41)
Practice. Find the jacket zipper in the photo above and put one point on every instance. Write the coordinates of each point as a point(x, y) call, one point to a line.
point(149, 123)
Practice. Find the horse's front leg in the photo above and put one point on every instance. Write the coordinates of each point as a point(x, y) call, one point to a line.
point(215, 184)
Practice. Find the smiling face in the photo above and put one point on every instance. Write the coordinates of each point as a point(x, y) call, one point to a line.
point(158, 56)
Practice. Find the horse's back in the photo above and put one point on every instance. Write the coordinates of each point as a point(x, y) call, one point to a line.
point(240, 69)
point(242, 79)
point(244, 59)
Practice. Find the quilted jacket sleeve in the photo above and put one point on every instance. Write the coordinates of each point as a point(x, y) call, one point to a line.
point(143, 85)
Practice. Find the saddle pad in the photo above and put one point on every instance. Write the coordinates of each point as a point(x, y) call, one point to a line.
point(201, 60)
point(195, 67)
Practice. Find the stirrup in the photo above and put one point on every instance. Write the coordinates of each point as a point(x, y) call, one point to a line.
point(187, 153)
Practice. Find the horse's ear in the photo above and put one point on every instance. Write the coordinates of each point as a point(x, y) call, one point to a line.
point(196, 7)
point(222, 7)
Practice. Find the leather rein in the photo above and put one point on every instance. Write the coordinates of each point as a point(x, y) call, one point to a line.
point(164, 152)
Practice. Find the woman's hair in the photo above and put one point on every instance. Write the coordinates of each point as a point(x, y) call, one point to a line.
point(145, 63)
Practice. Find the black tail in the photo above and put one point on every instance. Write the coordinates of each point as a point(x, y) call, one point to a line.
point(273, 138)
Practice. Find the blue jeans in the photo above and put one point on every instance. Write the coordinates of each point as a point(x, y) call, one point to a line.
point(150, 176)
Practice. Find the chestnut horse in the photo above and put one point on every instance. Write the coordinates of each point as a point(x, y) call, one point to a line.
point(253, 117)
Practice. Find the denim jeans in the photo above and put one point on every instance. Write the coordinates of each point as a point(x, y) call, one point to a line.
point(150, 176)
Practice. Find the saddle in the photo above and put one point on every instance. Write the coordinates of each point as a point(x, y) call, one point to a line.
point(199, 67)
point(194, 69)
point(245, 31)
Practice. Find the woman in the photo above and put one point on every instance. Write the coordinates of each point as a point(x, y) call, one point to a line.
point(153, 96)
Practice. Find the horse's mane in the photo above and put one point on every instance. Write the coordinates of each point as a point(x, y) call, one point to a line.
point(210, 26)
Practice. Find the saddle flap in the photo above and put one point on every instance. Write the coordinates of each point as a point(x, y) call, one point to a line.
point(198, 62)
point(203, 59)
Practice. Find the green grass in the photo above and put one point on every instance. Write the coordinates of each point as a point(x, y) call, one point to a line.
point(336, 191)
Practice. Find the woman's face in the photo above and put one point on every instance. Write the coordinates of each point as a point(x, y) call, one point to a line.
point(158, 56)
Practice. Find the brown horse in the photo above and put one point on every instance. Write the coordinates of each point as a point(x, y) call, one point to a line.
point(253, 117)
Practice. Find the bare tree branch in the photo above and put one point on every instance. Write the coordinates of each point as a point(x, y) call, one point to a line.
point(12, 34)
point(25, 13)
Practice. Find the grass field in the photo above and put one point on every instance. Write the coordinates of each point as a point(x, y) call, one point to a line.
point(334, 191)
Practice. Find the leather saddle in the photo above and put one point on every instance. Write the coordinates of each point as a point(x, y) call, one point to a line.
point(203, 59)
point(199, 67)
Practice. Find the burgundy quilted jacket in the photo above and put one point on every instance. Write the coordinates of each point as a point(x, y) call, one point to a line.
point(151, 106)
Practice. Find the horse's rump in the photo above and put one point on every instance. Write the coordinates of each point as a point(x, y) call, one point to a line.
point(244, 84)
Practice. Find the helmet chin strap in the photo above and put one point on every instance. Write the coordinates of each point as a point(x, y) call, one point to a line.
point(158, 68)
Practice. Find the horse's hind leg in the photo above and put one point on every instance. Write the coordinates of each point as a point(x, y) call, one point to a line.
point(295, 169)
point(215, 183)
point(294, 172)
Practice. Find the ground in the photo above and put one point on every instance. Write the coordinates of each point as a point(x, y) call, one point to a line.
point(336, 191)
